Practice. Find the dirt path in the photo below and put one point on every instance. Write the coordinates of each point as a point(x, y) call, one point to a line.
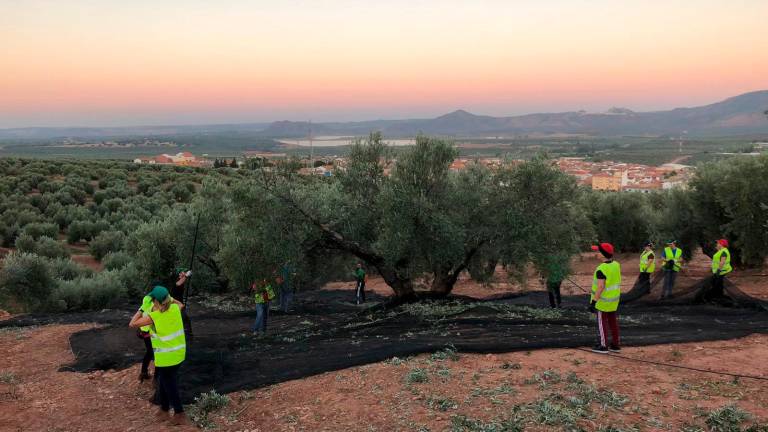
point(34, 396)
point(423, 393)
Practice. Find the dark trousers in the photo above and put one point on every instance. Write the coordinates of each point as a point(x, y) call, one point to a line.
point(718, 286)
point(669, 283)
point(187, 324)
point(262, 314)
point(148, 355)
point(286, 296)
point(360, 292)
point(553, 289)
point(644, 282)
point(608, 322)
point(168, 388)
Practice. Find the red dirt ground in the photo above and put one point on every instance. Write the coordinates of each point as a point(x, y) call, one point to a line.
point(377, 397)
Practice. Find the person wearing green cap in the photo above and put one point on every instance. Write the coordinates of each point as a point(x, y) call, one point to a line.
point(169, 347)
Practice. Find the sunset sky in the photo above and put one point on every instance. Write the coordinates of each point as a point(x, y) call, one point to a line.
point(140, 62)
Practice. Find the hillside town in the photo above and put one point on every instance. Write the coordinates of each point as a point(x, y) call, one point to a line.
point(179, 159)
point(602, 175)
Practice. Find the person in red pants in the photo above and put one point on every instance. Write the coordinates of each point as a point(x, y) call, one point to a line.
point(604, 301)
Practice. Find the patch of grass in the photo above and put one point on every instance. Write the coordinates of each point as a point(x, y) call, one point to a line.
point(727, 419)
point(417, 375)
point(654, 422)
point(8, 377)
point(444, 374)
point(447, 353)
point(553, 413)
point(618, 429)
point(460, 423)
point(729, 389)
point(395, 361)
point(442, 404)
point(514, 366)
point(545, 379)
point(204, 405)
point(18, 332)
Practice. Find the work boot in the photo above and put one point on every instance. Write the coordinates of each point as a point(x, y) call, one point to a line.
point(614, 348)
point(600, 349)
point(179, 419)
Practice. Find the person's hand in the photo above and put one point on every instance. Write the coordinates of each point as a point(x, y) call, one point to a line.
point(592, 308)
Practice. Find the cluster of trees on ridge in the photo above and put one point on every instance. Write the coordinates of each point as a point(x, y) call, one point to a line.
point(419, 227)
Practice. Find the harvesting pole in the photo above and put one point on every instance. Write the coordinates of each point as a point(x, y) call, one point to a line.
point(192, 262)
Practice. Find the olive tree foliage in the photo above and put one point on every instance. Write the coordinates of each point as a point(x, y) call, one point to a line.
point(676, 214)
point(540, 220)
point(160, 247)
point(25, 280)
point(728, 199)
point(422, 226)
point(625, 219)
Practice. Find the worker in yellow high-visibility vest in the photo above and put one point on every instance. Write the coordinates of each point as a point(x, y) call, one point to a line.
point(604, 301)
point(647, 266)
point(672, 257)
point(721, 266)
point(169, 345)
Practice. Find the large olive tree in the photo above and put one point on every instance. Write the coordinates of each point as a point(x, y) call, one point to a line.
point(421, 226)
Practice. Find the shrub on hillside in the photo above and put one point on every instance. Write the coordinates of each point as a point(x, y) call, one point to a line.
point(625, 220)
point(50, 248)
point(41, 229)
point(26, 280)
point(728, 200)
point(100, 291)
point(116, 260)
point(8, 233)
point(106, 242)
point(66, 269)
point(44, 246)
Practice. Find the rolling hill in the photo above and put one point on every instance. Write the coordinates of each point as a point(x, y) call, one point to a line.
point(738, 115)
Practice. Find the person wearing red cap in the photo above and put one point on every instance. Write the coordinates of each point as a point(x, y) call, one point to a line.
point(721, 266)
point(604, 301)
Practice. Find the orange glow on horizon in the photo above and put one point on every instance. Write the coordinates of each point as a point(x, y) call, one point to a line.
point(63, 61)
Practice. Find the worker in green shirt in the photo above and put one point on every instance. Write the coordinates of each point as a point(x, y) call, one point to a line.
point(360, 278)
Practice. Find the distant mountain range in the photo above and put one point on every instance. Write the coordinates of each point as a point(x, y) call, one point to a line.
point(740, 115)
point(744, 114)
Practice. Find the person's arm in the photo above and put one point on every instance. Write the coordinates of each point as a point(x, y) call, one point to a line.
point(721, 264)
point(600, 289)
point(178, 303)
point(182, 279)
point(139, 320)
